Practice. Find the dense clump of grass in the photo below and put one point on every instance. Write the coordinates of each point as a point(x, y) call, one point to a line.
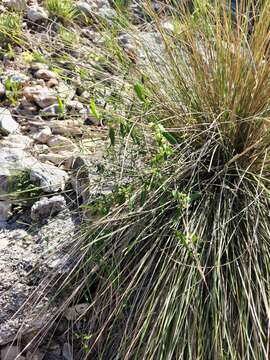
point(64, 10)
point(10, 28)
point(121, 5)
point(181, 269)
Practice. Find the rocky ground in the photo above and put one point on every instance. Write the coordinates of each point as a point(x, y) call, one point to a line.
point(52, 147)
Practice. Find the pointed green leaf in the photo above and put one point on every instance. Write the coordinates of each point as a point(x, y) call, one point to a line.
point(139, 90)
point(94, 109)
point(61, 105)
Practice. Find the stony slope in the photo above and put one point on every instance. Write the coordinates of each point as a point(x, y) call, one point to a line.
point(51, 145)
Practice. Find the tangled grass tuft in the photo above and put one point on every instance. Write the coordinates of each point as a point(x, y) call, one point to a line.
point(181, 270)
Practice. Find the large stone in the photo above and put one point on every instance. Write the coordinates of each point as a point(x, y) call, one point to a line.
point(5, 210)
point(15, 161)
point(50, 111)
point(35, 66)
point(18, 5)
point(16, 141)
point(60, 143)
point(36, 13)
point(87, 181)
point(19, 78)
point(85, 8)
point(7, 124)
point(29, 92)
point(45, 74)
point(45, 99)
point(75, 312)
point(47, 207)
point(26, 108)
point(64, 158)
point(66, 91)
point(41, 95)
point(49, 178)
point(43, 135)
point(2, 90)
point(97, 9)
point(67, 127)
point(20, 252)
point(107, 13)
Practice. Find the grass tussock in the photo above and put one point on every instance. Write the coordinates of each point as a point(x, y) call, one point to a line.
point(63, 10)
point(181, 269)
point(11, 28)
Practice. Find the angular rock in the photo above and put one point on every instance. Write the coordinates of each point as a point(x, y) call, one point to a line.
point(44, 100)
point(14, 162)
point(20, 251)
point(67, 127)
point(7, 124)
point(41, 149)
point(29, 92)
point(65, 91)
point(74, 312)
point(60, 143)
point(16, 141)
point(74, 105)
point(35, 66)
point(5, 210)
point(57, 159)
point(47, 207)
point(19, 78)
point(43, 135)
point(41, 95)
point(52, 110)
point(98, 8)
point(36, 13)
point(52, 83)
point(86, 181)
point(45, 74)
point(49, 177)
point(85, 8)
point(2, 90)
point(107, 13)
point(18, 5)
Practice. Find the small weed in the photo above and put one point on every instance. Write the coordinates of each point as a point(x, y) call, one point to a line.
point(12, 90)
point(61, 107)
point(84, 74)
point(68, 37)
point(29, 57)
point(39, 57)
